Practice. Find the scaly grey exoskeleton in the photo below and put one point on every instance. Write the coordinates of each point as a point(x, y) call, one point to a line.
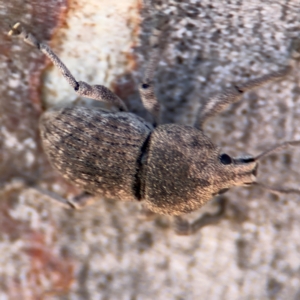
point(173, 169)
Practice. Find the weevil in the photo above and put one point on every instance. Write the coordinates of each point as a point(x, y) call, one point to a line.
point(173, 169)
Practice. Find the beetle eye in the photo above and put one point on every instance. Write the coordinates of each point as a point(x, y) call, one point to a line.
point(145, 86)
point(225, 159)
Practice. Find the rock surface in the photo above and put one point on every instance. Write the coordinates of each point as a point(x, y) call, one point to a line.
point(105, 251)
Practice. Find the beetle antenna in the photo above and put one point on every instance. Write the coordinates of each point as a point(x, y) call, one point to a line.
point(277, 148)
point(274, 149)
point(277, 190)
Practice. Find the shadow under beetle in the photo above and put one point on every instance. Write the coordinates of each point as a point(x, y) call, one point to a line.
point(173, 169)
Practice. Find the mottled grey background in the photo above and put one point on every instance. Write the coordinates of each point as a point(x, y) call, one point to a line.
point(105, 251)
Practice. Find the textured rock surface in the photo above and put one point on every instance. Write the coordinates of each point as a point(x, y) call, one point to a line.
point(105, 251)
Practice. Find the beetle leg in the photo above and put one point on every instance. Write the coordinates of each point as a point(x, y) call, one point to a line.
point(96, 92)
point(76, 202)
point(147, 214)
point(219, 102)
point(146, 87)
point(184, 227)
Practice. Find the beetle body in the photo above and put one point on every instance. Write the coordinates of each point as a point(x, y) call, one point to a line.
point(175, 169)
